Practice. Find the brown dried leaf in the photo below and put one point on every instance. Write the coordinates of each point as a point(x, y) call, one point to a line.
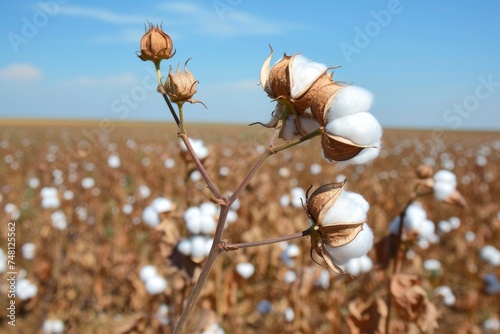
point(411, 302)
point(456, 199)
point(367, 317)
point(323, 198)
point(336, 148)
point(340, 235)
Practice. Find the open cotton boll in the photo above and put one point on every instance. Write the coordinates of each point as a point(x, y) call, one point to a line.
point(360, 200)
point(308, 124)
point(352, 267)
point(245, 270)
point(53, 326)
point(443, 190)
point(358, 247)
point(184, 247)
point(114, 161)
point(155, 285)
point(350, 100)
point(207, 224)
point(344, 210)
point(198, 147)
point(361, 128)
point(304, 72)
point(198, 247)
point(162, 204)
point(289, 130)
point(25, 289)
point(147, 272)
point(28, 250)
point(209, 209)
point(490, 255)
point(150, 216)
point(365, 263)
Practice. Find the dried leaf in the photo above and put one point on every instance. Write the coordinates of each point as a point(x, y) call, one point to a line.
point(411, 302)
point(367, 317)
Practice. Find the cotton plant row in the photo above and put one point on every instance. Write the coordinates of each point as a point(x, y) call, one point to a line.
point(308, 104)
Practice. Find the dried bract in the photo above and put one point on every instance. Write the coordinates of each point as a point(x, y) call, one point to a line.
point(156, 45)
point(181, 87)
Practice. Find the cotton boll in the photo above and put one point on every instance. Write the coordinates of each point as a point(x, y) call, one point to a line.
point(358, 247)
point(208, 244)
point(50, 202)
point(53, 326)
point(359, 199)
point(426, 229)
point(28, 250)
point(289, 131)
point(147, 272)
point(207, 224)
point(114, 161)
point(344, 210)
point(443, 190)
point(308, 125)
point(59, 220)
point(444, 226)
point(304, 72)
point(198, 247)
point(315, 169)
point(265, 307)
point(289, 314)
point(209, 209)
point(290, 277)
point(88, 183)
point(284, 201)
point(365, 156)
point(361, 128)
point(25, 289)
point(491, 325)
point(144, 191)
point(292, 250)
point(365, 263)
point(245, 270)
point(184, 247)
point(490, 255)
point(352, 267)
point(232, 216)
point(350, 100)
point(455, 222)
point(156, 285)
point(150, 216)
point(192, 217)
point(162, 204)
point(432, 265)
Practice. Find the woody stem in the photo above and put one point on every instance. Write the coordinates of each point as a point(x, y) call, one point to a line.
point(236, 246)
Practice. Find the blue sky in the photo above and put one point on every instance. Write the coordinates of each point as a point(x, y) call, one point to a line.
point(430, 64)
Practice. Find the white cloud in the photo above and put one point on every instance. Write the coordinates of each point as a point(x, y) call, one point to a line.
point(124, 79)
point(20, 72)
point(101, 15)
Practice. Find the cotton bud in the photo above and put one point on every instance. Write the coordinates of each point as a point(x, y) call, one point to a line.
point(156, 45)
point(424, 172)
point(340, 232)
point(181, 87)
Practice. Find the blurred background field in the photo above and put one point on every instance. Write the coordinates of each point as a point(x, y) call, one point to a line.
point(86, 260)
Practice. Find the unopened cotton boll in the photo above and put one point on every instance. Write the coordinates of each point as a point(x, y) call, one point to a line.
point(358, 247)
point(155, 285)
point(147, 272)
point(150, 216)
point(361, 128)
point(350, 100)
point(245, 269)
point(304, 72)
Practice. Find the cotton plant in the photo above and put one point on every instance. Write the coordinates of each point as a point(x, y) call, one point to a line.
point(308, 104)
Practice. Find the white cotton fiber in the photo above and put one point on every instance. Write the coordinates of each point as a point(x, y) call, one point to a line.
point(360, 200)
point(344, 210)
point(308, 124)
point(443, 190)
point(350, 100)
point(303, 73)
point(198, 247)
point(245, 269)
point(161, 204)
point(150, 216)
point(289, 130)
point(361, 128)
point(360, 246)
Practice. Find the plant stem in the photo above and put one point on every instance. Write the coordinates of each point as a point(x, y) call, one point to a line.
point(236, 246)
point(181, 115)
point(200, 167)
